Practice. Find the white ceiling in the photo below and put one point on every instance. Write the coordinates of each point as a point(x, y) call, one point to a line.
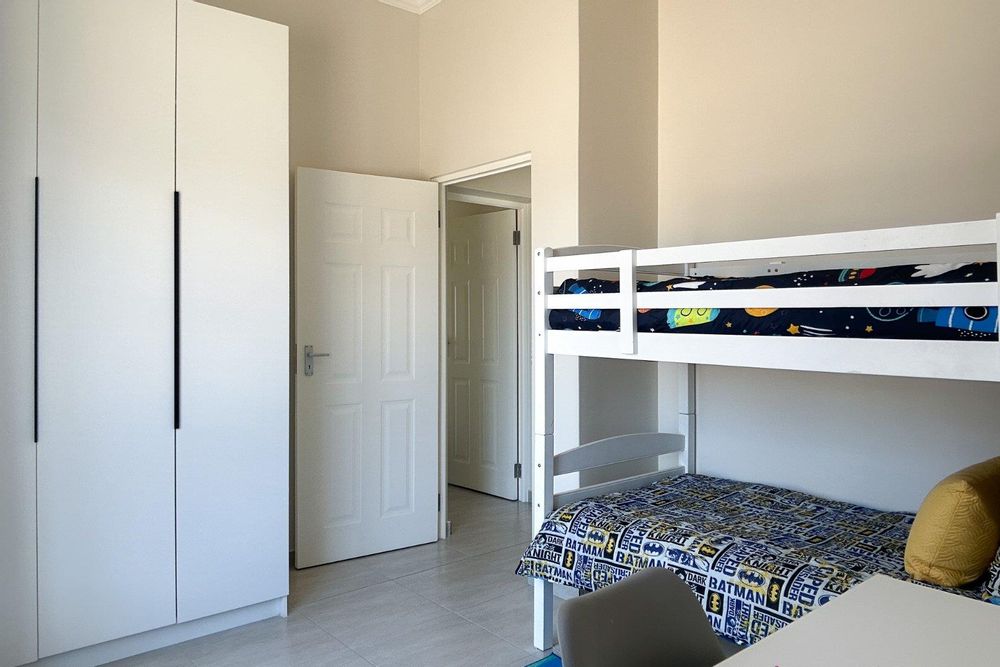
point(415, 6)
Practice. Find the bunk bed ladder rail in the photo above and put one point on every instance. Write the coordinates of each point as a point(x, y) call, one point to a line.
point(542, 440)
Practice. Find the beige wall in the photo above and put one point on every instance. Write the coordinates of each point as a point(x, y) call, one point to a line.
point(498, 79)
point(515, 182)
point(461, 209)
point(784, 116)
point(793, 116)
point(618, 195)
point(618, 122)
point(353, 83)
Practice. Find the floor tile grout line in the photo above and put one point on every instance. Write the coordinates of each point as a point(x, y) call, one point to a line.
point(334, 637)
point(455, 611)
point(465, 556)
point(469, 620)
point(361, 655)
point(497, 635)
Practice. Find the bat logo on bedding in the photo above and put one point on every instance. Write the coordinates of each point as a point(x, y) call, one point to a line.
point(609, 549)
point(652, 549)
point(752, 579)
point(715, 602)
point(597, 537)
point(568, 559)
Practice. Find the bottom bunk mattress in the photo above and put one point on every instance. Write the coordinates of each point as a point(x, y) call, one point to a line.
point(756, 556)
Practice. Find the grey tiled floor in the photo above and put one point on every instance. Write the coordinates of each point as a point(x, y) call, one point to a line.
point(454, 602)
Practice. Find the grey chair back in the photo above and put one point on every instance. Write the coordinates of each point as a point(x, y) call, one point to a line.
point(650, 618)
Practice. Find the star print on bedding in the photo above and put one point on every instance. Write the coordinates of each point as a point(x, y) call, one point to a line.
point(948, 323)
point(756, 556)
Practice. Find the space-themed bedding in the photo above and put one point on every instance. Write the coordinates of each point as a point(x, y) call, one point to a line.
point(969, 323)
point(756, 556)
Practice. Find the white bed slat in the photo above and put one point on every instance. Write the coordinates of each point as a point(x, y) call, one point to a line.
point(945, 359)
point(588, 249)
point(935, 295)
point(634, 482)
point(946, 235)
point(616, 449)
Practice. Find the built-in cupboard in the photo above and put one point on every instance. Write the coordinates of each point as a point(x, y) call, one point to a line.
point(145, 303)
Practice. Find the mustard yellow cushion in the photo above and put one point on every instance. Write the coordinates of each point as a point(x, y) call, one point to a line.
point(957, 529)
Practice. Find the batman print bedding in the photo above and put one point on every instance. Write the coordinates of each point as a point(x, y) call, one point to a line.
point(969, 323)
point(756, 556)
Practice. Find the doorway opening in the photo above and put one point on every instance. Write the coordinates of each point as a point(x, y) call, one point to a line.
point(485, 421)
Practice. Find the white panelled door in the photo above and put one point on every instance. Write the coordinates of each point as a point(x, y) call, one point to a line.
point(366, 454)
point(482, 353)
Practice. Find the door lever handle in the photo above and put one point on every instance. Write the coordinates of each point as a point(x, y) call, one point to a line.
point(310, 355)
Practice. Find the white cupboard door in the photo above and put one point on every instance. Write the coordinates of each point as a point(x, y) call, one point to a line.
point(106, 438)
point(366, 452)
point(232, 444)
point(482, 353)
point(18, 31)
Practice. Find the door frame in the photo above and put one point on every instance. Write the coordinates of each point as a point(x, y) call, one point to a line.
point(522, 209)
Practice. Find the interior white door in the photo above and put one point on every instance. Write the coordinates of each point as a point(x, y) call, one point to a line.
point(18, 67)
point(366, 447)
point(482, 353)
point(106, 317)
point(232, 441)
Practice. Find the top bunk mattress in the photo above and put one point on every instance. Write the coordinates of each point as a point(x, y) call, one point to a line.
point(756, 556)
point(968, 323)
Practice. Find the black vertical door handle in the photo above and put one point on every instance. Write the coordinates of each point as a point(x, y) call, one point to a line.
point(35, 325)
point(177, 310)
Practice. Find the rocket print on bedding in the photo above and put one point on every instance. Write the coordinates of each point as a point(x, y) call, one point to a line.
point(955, 323)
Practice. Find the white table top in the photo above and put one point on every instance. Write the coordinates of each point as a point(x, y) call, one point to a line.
point(884, 621)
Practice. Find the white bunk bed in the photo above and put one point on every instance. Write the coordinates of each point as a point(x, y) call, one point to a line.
point(965, 360)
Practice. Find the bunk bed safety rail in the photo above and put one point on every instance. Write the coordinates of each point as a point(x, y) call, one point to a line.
point(616, 449)
point(917, 237)
point(629, 262)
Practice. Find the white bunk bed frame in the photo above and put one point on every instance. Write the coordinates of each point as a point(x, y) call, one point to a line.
point(961, 360)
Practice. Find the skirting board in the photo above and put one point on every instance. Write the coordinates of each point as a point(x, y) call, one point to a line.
point(127, 647)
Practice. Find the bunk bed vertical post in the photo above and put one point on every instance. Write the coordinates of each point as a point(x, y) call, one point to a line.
point(687, 419)
point(996, 228)
point(543, 444)
point(626, 290)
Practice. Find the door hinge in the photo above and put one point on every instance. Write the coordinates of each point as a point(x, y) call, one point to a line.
point(517, 471)
point(517, 237)
point(439, 502)
point(439, 219)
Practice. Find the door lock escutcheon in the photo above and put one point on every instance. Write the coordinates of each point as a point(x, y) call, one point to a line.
point(310, 355)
